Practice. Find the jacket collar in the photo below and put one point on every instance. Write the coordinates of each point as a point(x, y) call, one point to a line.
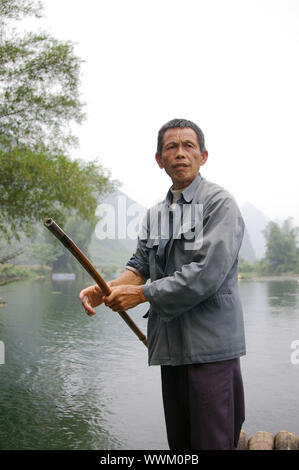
point(188, 193)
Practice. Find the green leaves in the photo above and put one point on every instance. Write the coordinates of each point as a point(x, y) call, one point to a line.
point(39, 95)
point(16, 9)
point(282, 254)
point(37, 185)
point(39, 101)
point(39, 88)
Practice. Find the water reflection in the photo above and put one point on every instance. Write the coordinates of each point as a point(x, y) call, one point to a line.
point(76, 382)
point(50, 380)
point(271, 380)
point(283, 294)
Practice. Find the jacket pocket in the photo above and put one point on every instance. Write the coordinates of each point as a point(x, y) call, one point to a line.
point(221, 299)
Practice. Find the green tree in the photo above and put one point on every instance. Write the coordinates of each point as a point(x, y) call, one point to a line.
point(39, 101)
point(37, 185)
point(39, 83)
point(45, 253)
point(245, 266)
point(81, 231)
point(282, 252)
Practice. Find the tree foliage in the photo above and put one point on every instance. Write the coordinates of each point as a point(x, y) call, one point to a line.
point(39, 84)
point(16, 9)
point(37, 185)
point(81, 231)
point(39, 92)
point(282, 252)
point(244, 266)
point(39, 101)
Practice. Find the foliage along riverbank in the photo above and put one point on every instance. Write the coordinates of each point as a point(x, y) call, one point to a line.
point(11, 273)
point(255, 276)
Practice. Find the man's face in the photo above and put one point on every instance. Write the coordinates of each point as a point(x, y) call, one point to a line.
point(181, 157)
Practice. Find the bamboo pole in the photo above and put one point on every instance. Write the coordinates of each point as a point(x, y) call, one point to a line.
point(84, 261)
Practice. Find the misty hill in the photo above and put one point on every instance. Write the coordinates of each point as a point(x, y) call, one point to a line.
point(112, 245)
point(247, 251)
point(255, 222)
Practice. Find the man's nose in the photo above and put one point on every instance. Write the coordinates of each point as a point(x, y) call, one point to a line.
point(180, 153)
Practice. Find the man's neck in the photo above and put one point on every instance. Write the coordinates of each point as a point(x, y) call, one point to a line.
point(176, 193)
point(181, 185)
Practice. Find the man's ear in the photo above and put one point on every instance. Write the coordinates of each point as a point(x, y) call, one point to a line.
point(159, 160)
point(204, 157)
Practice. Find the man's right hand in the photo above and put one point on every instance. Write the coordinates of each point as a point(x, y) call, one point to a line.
point(91, 297)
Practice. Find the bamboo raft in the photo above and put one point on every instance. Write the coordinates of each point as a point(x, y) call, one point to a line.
point(262, 440)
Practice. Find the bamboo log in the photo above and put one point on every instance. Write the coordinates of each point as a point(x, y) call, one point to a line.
point(261, 440)
point(285, 440)
point(243, 441)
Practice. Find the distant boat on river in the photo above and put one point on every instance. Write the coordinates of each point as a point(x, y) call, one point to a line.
point(63, 276)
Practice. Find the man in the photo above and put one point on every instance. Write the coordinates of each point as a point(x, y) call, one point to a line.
point(195, 320)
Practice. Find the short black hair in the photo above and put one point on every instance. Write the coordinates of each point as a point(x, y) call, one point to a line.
point(180, 123)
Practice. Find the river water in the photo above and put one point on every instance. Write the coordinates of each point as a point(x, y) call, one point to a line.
point(70, 381)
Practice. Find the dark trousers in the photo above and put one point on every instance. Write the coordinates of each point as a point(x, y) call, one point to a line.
point(203, 405)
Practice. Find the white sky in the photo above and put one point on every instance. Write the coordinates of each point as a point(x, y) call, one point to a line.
point(229, 65)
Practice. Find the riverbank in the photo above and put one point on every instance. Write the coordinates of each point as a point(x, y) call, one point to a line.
point(13, 273)
point(253, 276)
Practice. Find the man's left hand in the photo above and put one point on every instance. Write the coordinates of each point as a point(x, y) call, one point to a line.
point(124, 297)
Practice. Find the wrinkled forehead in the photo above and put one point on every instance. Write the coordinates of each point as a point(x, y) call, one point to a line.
point(178, 134)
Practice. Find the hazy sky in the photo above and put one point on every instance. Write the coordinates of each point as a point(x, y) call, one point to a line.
point(229, 65)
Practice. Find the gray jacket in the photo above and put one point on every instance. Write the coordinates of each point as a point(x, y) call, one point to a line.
point(195, 313)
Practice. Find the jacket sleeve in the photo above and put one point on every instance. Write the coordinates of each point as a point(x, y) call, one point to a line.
point(223, 230)
point(139, 260)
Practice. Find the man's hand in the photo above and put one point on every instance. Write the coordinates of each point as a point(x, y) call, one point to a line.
point(124, 297)
point(91, 297)
point(121, 298)
point(128, 296)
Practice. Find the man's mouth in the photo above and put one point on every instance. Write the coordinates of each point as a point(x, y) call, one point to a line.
point(180, 165)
